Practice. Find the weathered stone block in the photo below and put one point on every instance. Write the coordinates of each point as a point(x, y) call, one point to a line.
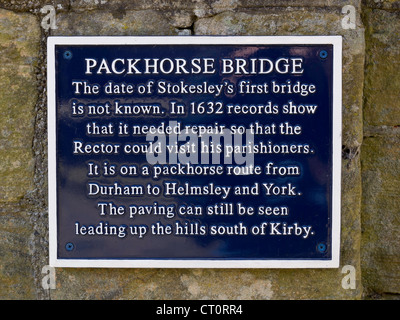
point(380, 152)
point(170, 284)
point(33, 6)
point(19, 48)
point(148, 22)
point(380, 214)
point(207, 7)
point(16, 276)
point(383, 4)
point(382, 87)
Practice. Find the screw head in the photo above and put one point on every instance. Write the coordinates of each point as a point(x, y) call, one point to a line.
point(67, 55)
point(323, 54)
point(69, 246)
point(321, 247)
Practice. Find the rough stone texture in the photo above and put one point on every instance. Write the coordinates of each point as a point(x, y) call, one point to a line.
point(108, 24)
point(19, 50)
point(33, 6)
point(381, 156)
point(381, 224)
point(205, 6)
point(383, 4)
point(16, 278)
point(383, 69)
point(170, 284)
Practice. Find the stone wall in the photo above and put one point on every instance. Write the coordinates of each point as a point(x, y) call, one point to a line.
point(380, 155)
point(370, 174)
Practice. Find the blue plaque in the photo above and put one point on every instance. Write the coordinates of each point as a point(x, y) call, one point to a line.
point(194, 152)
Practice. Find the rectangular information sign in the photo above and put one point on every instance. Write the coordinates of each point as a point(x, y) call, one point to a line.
point(194, 152)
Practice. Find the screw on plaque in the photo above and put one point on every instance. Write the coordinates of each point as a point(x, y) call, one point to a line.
point(69, 246)
point(68, 55)
point(323, 54)
point(321, 247)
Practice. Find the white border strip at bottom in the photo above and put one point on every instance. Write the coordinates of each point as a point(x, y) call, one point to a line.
point(215, 264)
